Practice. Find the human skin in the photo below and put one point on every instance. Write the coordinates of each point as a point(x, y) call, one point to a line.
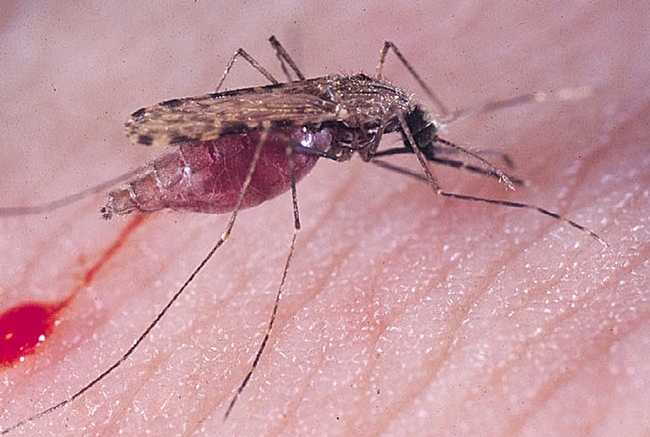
point(403, 313)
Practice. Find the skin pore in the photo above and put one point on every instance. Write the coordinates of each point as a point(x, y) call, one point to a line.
point(403, 313)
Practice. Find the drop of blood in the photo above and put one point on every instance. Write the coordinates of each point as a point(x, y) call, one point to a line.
point(23, 327)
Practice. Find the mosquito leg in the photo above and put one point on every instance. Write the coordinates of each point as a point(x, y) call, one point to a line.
point(278, 295)
point(507, 160)
point(388, 45)
point(446, 162)
point(434, 185)
point(447, 117)
point(500, 154)
point(67, 200)
point(248, 58)
point(562, 94)
point(284, 58)
point(531, 207)
point(433, 154)
point(492, 168)
point(421, 159)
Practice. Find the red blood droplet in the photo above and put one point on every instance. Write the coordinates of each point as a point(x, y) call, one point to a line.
point(23, 327)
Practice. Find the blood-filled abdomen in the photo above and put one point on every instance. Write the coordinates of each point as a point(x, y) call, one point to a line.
point(208, 176)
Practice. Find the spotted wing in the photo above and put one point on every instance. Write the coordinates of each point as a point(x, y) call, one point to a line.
point(210, 116)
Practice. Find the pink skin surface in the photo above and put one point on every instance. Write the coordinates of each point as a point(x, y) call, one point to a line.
point(404, 313)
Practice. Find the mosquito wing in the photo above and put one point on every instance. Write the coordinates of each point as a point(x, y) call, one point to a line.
point(208, 117)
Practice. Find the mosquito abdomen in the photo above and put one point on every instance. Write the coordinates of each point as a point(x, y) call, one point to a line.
point(208, 176)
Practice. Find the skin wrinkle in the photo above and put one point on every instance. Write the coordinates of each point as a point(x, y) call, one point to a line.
point(84, 143)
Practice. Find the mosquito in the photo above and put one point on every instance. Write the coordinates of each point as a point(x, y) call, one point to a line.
point(236, 149)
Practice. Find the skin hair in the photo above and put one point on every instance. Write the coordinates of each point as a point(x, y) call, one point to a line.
point(403, 313)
